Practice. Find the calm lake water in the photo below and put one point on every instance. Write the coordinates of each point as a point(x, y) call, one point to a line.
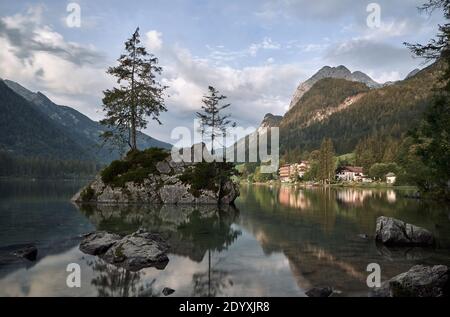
point(279, 241)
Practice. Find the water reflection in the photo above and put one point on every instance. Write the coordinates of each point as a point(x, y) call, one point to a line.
point(111, 281)
point(191, 231)
point(282, 241)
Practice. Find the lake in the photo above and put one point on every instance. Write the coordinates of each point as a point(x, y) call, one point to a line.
point(278, 241)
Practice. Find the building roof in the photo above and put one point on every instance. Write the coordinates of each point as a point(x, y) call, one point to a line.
point(390, 175)
point(353, 169)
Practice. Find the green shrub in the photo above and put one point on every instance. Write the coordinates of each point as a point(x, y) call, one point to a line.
point(135, 167)
point(113, 170)
point(207, 176)
point(88, 194)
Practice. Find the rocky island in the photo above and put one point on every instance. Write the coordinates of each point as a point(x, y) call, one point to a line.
point(152, 177)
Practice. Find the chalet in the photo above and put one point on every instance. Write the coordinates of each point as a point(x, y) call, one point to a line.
point(285, 173)
point(290, 172)
point(391, 178)
point(302, 168)
point(350, 174)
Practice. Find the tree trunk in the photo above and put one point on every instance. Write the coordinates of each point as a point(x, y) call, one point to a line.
point(133, 107)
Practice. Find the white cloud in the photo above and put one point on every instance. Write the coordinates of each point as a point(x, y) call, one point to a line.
point(153, 40)
point(253, 91)
point(40, 58)
point(266, 44)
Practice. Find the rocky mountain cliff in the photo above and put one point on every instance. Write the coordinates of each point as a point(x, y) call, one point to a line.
point(340, 72)
point(270, 121)
point(412, 73)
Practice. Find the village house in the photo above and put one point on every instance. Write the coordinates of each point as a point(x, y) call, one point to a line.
point(290, 172)
point(391, 178)
point(285, 173)
point(350, 174)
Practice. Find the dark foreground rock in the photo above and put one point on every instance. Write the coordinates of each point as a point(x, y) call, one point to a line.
point(419, 281)
point(167, 291)
point(394, 232)
point(319, 292)
point(132, 252)
point(18, 254)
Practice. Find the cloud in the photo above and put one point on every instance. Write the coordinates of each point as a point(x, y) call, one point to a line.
point(253, 91)
point(333, 11)
point(153, 40)
point(305, 9)
point(221, 55)
point(39, 58)
point(372, 57)
point(266, 44)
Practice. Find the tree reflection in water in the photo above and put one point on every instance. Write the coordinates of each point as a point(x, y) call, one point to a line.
point(191, 231)
point(111, 281)
point(211, 283)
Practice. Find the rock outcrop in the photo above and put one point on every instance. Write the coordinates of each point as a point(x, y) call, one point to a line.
point(132, 252)
point(419, 281)
point(319, 292)
point(167, 184)
point(394, 232)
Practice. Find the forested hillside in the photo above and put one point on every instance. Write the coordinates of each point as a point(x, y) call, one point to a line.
point(387, 112)
point(81, 129)
point(26, 131)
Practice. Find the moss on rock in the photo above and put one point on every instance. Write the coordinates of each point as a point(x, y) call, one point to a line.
point(136, 167)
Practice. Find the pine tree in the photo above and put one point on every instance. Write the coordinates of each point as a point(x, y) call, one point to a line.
point(432, 138)
point(438, 48)
point(213, 123)
point(326, 161)
point(138, 97)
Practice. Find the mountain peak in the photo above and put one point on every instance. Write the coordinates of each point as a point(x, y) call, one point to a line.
point(270, 121)
point(340, 72)
point(412, 73)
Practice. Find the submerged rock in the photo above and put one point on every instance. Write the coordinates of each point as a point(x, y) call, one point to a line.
point(132, 252)
point(167, 291)
point(319, 292)
point(419, 281)
point(28, 252)
point(363, 236)
point(391, 231)
point(16, 254)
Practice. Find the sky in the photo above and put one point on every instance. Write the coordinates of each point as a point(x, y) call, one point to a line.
point(256, 52)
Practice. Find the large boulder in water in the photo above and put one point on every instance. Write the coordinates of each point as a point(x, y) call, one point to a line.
point(419, 281)
point(132, 252)
point(394, 232)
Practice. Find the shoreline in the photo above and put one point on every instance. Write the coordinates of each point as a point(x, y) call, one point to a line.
point(356, 185)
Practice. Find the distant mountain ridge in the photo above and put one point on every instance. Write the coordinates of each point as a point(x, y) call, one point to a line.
point(339, 72)
point(270, 121)
point(348, 111)
point(26, 131)
point(79, 128)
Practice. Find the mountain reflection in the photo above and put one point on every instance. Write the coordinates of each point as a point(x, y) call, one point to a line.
point(316, 230)
point(282, 241)
point(191, 231)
